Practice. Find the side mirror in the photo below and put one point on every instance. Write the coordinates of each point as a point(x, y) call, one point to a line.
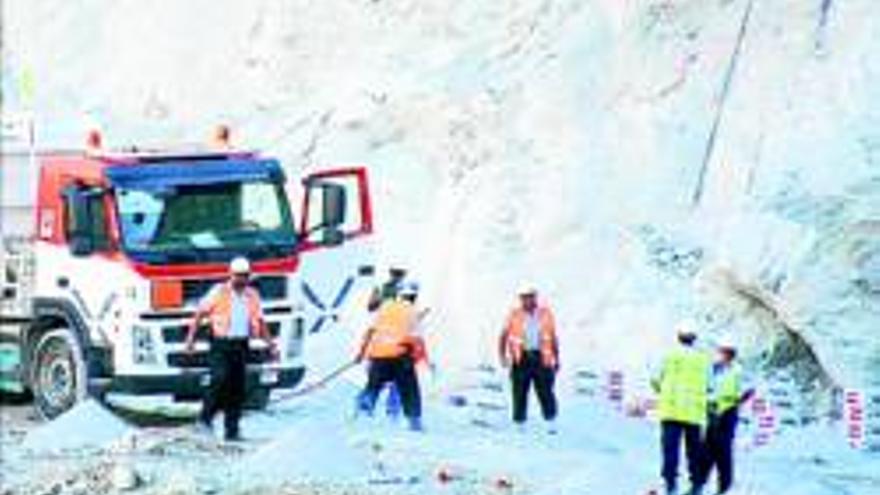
point(336, 207)
point(81, 245)
point(334, 201)
point(78, 221)
point(332, 236)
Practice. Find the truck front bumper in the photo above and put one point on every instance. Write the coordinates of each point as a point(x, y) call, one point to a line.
point(192, 382)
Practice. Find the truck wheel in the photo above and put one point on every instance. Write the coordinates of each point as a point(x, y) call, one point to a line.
point(58, 373)
point(257, 398)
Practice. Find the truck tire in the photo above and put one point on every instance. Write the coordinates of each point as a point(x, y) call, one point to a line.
point(58, 372)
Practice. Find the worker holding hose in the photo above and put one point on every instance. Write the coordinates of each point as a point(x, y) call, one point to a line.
point(393, 344)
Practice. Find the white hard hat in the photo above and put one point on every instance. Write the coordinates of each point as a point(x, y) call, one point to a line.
point(409, 289)
point(239, 266)
point(527, 289)
point(726, 342)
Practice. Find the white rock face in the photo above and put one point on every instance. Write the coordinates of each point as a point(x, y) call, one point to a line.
point(561, 141)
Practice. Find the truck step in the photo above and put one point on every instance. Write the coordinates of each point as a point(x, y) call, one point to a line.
point(10, 363)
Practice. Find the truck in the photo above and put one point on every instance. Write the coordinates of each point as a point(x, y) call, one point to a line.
point(99, 285)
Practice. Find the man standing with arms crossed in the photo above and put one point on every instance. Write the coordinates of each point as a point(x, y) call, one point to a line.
point(235, 314)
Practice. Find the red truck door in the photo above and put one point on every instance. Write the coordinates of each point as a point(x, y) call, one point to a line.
point(336, 268)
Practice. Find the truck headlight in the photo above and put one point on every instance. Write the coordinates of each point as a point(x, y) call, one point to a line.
point(143, 348)
point(295, 339)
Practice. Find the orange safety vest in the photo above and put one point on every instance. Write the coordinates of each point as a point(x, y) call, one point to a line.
point(516, 332)
point(393, 330)
point(220, 311)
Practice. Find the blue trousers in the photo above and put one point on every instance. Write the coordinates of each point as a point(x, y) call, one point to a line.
point(392, 402)
point(400, 374)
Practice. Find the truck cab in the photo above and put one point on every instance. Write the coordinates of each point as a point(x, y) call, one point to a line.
point(126, 244)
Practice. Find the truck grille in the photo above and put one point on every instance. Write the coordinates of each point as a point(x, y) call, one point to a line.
point(270, 287)
point(200, 359)
point(177, 333)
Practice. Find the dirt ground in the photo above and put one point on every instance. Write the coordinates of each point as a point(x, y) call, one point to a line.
point(164, 456)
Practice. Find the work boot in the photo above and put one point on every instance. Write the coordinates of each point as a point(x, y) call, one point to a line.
point(551, 427)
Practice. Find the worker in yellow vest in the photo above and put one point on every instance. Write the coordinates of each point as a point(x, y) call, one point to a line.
point(729, 390)
point(391, 344)
point(529, 346)
point(683, 386)
point(234, 311)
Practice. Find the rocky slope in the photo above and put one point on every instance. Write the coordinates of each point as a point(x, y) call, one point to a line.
point(644, 161)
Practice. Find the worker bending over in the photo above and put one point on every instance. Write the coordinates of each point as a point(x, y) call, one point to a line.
point(392, 345)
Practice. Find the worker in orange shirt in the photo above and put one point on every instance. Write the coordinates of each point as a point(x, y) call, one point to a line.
point(393, 346)
point(235, 314)
point(529, 346)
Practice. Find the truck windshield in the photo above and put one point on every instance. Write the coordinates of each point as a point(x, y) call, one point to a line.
point(213, 222)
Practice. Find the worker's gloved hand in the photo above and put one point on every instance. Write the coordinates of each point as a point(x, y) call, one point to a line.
point(505, 363)
point(190, 346)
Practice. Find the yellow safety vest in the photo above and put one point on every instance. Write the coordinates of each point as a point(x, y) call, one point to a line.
point(728, 389)
point(683, 387)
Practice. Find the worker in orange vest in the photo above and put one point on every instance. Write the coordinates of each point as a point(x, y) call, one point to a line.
point(234, 311)
point(530, 347)
point(387, 291)
point(393, 345)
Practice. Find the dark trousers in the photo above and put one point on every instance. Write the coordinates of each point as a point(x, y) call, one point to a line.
point(525, 373)
point(671, 437)
point(399, 371)
point(226, 392)
point(719, 447)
